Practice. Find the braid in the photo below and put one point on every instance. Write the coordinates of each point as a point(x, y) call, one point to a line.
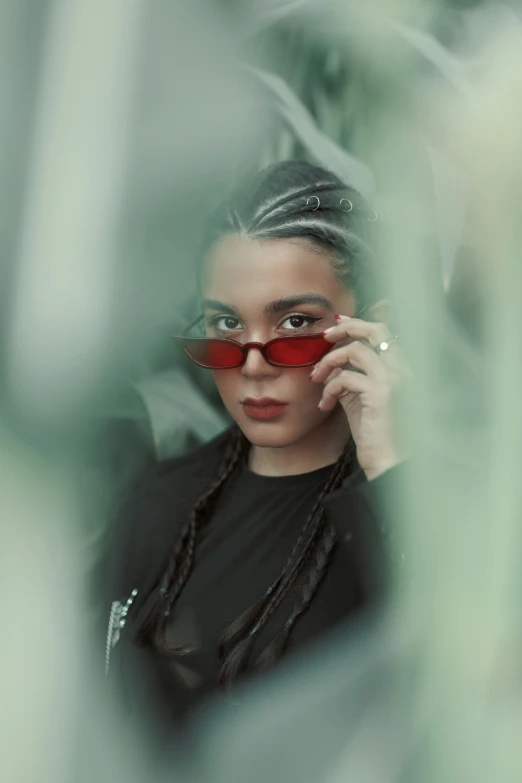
point(341, 470)
point(288, 200)
point(326, 543)
point(181, 561)
point(276, 207)
point(249, 619)
point(275, 204)
point(321, 546)
point(234, 661)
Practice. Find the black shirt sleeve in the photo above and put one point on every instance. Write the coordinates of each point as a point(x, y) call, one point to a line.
point(364, 514)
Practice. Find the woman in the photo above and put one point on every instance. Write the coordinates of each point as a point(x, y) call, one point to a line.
point(239, 552)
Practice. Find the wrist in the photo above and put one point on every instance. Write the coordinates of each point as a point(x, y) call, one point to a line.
point(382, 466)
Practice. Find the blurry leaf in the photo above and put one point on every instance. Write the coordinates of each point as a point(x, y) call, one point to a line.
point(451, 201)
point(448, 65)
point(180, 415)
point(268, 17)
point(326, 151)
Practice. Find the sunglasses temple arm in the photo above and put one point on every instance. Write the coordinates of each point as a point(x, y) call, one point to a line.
point(361, 311)
point(191, 326)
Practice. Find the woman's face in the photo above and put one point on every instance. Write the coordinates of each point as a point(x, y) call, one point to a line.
point(257, 290)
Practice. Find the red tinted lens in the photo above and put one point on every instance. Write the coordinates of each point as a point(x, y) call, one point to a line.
point(214, 354)
point(295, 351)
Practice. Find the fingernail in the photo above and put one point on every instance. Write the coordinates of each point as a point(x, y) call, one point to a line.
point(342, 317)
point(319, 406)
point(328, 330)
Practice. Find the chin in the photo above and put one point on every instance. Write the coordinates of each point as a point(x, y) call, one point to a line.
point(272, 434)
point(267, 439)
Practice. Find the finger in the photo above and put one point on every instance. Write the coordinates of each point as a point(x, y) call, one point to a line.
point(347, 381)
point(333, 374)
point(374, 332)
point(393, 358)
point(357, 354)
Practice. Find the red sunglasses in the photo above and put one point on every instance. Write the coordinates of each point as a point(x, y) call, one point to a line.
point(220, 353)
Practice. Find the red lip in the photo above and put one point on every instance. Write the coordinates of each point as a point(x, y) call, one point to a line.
point(263, 408)
point(261, 402)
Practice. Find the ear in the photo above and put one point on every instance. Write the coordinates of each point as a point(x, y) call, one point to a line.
point(381, 311)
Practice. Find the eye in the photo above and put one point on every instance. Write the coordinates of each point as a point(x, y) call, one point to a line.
point(295, 322)
point(224, 323)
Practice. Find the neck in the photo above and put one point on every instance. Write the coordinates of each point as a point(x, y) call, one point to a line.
point(318, 448)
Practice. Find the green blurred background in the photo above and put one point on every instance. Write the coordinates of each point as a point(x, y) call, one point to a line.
point(123, 124)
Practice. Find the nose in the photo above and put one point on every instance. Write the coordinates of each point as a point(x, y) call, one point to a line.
point(256, 366)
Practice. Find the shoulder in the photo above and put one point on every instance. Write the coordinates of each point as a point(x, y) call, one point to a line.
point(173, 486)
point(150, 519)
point(185, 473)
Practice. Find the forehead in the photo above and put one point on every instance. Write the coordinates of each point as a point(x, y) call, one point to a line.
point(253, 272)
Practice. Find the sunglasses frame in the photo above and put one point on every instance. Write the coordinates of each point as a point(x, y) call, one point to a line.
point(245, 347)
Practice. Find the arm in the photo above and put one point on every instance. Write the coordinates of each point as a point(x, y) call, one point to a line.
point(365, 515)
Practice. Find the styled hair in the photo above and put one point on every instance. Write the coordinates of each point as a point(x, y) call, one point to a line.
point(296, 200)
point(293, 199)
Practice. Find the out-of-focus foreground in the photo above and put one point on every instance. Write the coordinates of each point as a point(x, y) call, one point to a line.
point(123, 123)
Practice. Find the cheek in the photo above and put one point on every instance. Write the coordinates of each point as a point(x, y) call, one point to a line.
point(228, 383)
point(301, 387)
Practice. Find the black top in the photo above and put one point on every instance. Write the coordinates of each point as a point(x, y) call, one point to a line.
point(241, 550)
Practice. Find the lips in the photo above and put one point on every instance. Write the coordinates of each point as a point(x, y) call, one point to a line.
point(263, 408)
point(262, 402)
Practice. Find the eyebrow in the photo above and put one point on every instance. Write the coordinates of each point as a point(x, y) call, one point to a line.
point(215, 304)
point(275, 307)
point(280, 305)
